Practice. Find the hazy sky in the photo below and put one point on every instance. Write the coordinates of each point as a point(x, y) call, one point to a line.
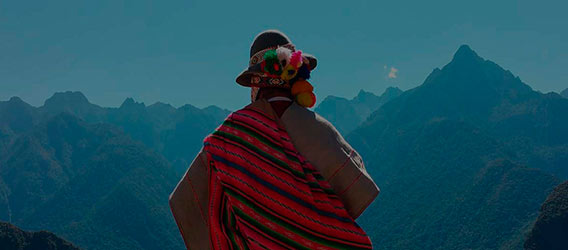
point(191, 51)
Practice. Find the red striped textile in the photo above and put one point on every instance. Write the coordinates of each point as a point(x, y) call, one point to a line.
point(265, 195)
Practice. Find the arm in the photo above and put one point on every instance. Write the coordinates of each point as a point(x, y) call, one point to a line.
point(188, 203)
point(324, 147)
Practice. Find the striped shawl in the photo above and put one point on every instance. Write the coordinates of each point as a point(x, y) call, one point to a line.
point(263, 194)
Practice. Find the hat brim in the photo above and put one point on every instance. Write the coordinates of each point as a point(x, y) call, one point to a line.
point(244, 78)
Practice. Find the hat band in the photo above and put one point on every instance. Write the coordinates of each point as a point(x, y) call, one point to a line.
point(258, 56)
point(266, 81)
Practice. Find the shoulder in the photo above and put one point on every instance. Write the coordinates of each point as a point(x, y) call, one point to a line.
point(311, 132)
point(301, 117)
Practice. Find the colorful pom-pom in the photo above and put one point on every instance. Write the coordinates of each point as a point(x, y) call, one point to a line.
point(272, 65)
point(283, 55)
point(288, 73)
point(304, 72)
point(271, 54)
point(306, 99)
point(301, 86)
point(296, 59)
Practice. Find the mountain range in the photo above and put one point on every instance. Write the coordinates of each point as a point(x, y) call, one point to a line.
point(464, 161)
point(98, 176)
point(346, 114)
point(564, 93)
point(170, 131)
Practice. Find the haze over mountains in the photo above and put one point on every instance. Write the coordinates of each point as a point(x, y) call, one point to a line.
point(564, 93)
point(98, 176)
point(464, 161)
point(346, 115)
point(170, 131)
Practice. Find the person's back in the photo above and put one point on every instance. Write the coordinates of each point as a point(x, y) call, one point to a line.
point(274, 175)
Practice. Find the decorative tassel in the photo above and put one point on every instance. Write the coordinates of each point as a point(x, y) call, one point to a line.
point(289, 72)
point(270, 54)
point(304, 72)
point(303, 92)
point(271, 63)
point(296, 59)
point(301, 86)
point(306, 99)
point(283, 55)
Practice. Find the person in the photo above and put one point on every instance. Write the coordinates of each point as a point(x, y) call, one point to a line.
point(274, 174)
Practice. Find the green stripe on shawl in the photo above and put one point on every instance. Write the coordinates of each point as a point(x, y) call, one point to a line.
point(284, 224)
point(271, 158)
point(260, 137)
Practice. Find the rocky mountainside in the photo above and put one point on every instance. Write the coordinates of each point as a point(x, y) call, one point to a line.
point(98, 176)
point(89, 183)
point(550, 229)
point(463, 160)
point(173, 132)
point(13, 238)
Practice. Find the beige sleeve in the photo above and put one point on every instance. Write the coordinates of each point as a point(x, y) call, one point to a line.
point(188, 203)
point(324, 147)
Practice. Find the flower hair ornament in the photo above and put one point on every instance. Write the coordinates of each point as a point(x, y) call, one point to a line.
point(289, 66)
point(275, 62)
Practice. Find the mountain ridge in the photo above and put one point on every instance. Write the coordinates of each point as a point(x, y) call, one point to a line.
point(159, 125)
point(68, 176)
point(464, 161)
point(13, 238)
point(346, 114)
point(564, 93)
point(470, 122)
point(551, 227)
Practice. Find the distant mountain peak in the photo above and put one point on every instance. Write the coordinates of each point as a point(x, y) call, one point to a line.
point(346, 114)
point(130, 103)
point(67, 98)
point(392, 91)
point(162, 104)
point(363, 92)
point(17, 102)
point(214, 107)
point(365, 95)
point(189, 107)
point(15, 99)
point(73, 102)
point(564, 93)
point(466, 55)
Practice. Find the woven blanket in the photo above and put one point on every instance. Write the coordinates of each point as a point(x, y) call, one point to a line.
point(265, 195)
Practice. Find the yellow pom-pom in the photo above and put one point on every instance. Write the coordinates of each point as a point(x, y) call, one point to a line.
point(306, 99)
point(301, 86)
point(288, 73)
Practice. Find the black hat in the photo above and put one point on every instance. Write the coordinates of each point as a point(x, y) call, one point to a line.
point(263, 42)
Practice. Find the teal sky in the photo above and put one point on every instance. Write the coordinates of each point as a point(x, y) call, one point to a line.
point(182, 52)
